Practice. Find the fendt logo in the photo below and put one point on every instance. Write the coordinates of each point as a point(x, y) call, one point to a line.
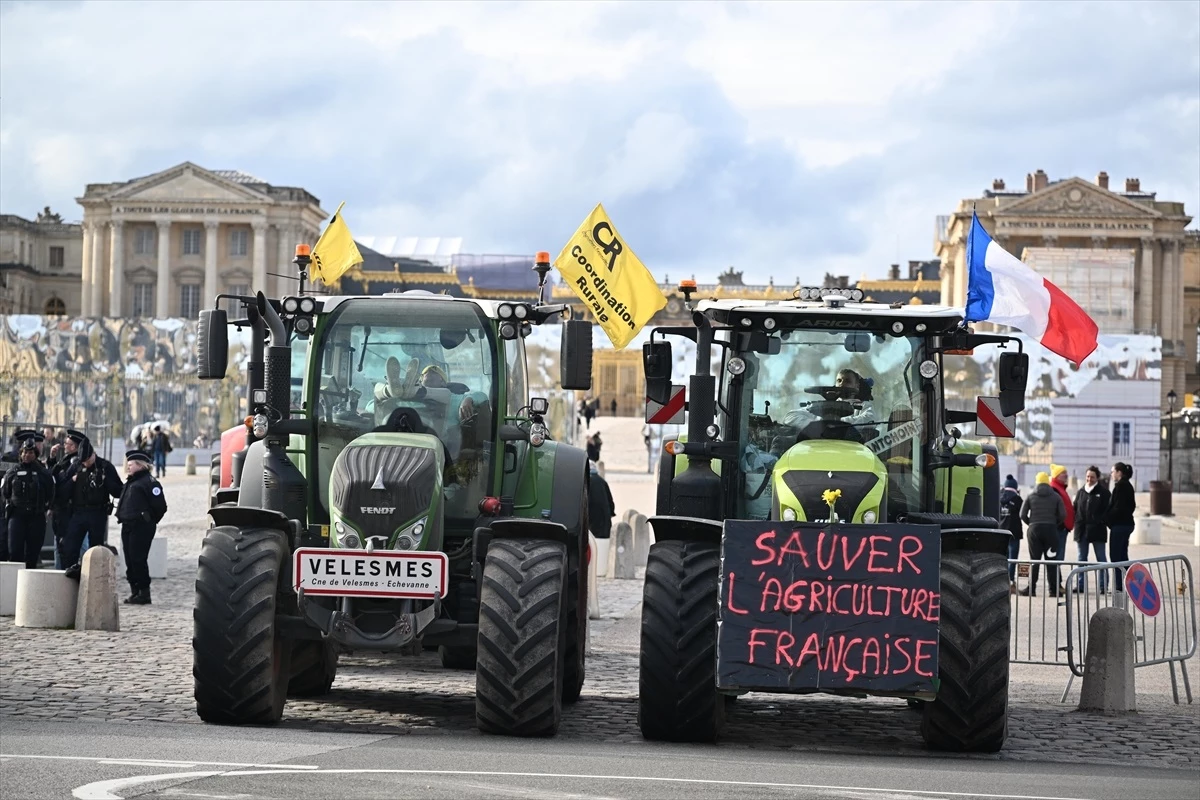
point(377, 509)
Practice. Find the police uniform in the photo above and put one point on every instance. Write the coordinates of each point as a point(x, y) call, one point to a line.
point(139, 510)
point(27, 491)
point(61, 509)
point(91, 490)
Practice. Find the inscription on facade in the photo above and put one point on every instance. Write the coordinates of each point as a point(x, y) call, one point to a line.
point(184, 210)
point(1093, 226)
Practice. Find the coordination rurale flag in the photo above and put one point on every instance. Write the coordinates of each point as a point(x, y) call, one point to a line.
point(610, 280)
point(335, 252)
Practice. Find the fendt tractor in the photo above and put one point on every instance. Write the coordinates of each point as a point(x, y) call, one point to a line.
point(823, 526)
point(406, 497)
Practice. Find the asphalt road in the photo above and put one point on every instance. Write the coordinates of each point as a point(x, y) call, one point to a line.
point(93, 761)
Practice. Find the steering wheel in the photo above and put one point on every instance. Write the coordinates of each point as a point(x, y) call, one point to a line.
point(831, 409)
point(828, 392)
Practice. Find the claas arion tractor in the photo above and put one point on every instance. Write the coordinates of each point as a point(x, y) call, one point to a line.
point(394, 489)
point(823, 526)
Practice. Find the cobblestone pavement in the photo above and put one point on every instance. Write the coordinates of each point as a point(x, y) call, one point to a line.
point(143, 673)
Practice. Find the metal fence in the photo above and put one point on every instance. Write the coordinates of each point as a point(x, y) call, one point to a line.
point(1051, 629)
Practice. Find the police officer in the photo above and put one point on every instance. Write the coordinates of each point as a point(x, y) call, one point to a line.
point(63, 457)
point(91, 482)
point(141, 507)
point(27, 491)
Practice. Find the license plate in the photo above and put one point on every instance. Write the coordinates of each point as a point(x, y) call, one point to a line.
point(357, 573)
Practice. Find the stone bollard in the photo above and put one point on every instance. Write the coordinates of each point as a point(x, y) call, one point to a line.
point(96, 608)
point(641, 540)
point(623, 556)
point(8, 586)
point(1108, 667)
point(1147, 530)
point(190, 464)
point(593, 581)
point(45, 599)
point(603, 565)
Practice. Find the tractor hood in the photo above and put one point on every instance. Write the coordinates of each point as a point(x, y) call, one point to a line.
point(808, 469)
point(388, 487)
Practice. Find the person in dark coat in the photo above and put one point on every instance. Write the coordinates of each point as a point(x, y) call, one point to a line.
point(27, 490)
point(601, 508)
point(139, 510)
point(160, 445)
point(593, 447)
point(1121, 506)
point(1091, 510)
point(1010, 520)
point(1043, 512)
point(64, 456)
point(91, 482)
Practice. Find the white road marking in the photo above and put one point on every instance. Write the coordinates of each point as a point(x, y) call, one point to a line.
point(155, 762)
point(104, 790)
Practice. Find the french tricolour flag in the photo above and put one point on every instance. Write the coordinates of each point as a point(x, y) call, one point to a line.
point(1001, 289)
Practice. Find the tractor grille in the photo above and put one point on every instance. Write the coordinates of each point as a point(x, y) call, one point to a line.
point(408, 476)
point(809, 484)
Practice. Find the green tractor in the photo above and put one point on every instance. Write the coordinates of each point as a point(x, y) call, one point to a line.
point(823, 527)
point(395, 490)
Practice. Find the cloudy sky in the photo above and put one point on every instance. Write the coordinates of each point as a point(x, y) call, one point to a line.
point(785, 139)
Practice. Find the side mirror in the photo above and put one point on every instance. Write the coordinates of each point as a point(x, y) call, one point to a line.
point(858, 342)
point(575, 356)
point(656, 363)
point(539, 405)
point(212, 344)
point(1013, 375)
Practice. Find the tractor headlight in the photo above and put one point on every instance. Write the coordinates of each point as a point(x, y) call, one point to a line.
point(290, 305)
point(736, 366)
point(929, 369)
point(520, 312)
point(258, 426)
point(505, 311)
point(870, 517)
point(350, 540)
point(410, 538)
point(307, 305)
point(789, 514)
point(537, 435)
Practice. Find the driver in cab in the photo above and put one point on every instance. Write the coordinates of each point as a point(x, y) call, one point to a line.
point(847, 403)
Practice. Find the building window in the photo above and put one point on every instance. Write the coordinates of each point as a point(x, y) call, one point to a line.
point(1122, 438)
point(55, 307)
point(57, 258)
point(191, 241)
point(143, 241)
point(143, 300)
point(233, 307)
point(239, 241)
point(189, 301)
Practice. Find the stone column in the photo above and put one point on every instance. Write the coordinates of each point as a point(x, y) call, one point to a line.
point(286, 249)
point(95, 286)
point(85, 278)
point(1147, 288)
point(162, 289)
point(210, 262)
point(260, 257)
point(116, 270)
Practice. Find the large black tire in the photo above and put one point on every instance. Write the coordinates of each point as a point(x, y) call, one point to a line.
point(239, 662)
point(575, 656)
point(519, 673)
point(677, 688)
point(214, 478)
point(314, 667)
point(970, 713)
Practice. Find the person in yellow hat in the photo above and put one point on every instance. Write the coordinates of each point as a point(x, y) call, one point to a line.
point(1058, 482)
point(1042, 512)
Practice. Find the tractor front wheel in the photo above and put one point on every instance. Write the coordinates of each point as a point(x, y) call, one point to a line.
point(522, 638)
point(970, 713)
point(240, 663)
point(677, 688)
point(314, 665)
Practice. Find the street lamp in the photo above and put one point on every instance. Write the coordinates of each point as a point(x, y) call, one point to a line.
point(1171, 396)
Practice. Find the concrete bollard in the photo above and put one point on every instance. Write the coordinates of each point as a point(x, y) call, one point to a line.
point(97, 609)
point(189, 463)
point(641, 540)
point(46, 598)
point(593, 581)
point(1108, 668)
point(8, 586)
point(628, 516)
point(603, 565)
point(623, 558)
point(1147, 530)
point(156, 561)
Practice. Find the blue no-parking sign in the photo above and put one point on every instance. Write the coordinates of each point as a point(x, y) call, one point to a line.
point(1142, 592)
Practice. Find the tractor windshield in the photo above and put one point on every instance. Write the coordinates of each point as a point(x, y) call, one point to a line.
point(411, 366)
point(832, 386)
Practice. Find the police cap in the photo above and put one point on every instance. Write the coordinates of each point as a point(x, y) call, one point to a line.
point(29, 439)
point(137, 455)
point(75, 436)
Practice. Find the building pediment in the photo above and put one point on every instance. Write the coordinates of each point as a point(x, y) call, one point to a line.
point(184, 184)
point(1076, 197)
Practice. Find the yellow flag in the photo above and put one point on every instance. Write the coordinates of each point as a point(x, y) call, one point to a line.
point(335, 252)
point(610, 280)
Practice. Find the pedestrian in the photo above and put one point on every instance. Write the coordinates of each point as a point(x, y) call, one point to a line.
point(1121, 506)
point(1058, 482)
point(593, 447)
point(613, 405)
point(27, 491)
point(64, 456)
point(1091, 508)
point(139, 510)
point(91, 482)
point(601, 508)
point(589, 412)
point(1044, 513)
point(1010, 520)
point(160, 445)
